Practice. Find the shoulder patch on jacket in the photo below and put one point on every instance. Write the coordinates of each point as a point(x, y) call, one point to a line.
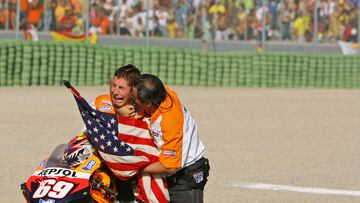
point(169, 152)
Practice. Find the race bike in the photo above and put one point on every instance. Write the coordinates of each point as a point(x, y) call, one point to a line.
point(54, 181)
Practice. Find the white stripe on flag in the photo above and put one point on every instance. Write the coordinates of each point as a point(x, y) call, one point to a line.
point(122, 159)
point(146, 178)
point(132, 130)
point(160, 182)
point(145, 148)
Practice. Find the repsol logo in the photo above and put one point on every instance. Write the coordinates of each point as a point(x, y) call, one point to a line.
point(57, 172)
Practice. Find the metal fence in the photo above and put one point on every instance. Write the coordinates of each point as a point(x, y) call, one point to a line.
point(310, 22)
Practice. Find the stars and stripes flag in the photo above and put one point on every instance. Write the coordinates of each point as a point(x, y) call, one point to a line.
point(125, 145)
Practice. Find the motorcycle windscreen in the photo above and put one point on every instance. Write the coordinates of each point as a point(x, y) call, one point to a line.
point(56, 158)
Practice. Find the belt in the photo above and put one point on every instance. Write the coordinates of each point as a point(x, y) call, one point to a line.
point(182, 172)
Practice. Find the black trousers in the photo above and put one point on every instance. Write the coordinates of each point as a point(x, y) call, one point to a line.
point(187, 185)
point(179, 194)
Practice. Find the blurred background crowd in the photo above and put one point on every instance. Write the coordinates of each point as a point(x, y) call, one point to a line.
point(219, 19)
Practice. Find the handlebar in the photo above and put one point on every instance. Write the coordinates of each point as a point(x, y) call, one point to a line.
point(98, 184)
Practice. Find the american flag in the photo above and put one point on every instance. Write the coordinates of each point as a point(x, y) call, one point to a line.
point(125, 145)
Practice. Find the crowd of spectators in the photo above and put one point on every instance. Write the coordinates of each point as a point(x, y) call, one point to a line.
point(217, 19)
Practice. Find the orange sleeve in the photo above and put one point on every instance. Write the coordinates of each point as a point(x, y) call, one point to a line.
point(172, 124)
point(103, 104)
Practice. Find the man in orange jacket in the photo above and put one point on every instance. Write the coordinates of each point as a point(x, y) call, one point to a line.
point(182, 153)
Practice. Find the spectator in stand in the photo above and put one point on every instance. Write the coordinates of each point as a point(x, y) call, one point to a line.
point(12, 13)
point(344, 23)
point(216, 10)
point(2, 17)
point(59, 13)
point(240, 26)
point(52, 21)
point(151, 21)
point(299, 28)
point(136, 23)
point(224, 31)
point(326, 10)
point(272, 8)
point(24, 10)
point(181, 14)
point(353, 24)
point(124, 24)
point(105, 24)
point(172, 28)
point(286, 19)
point(131, 22)
point(261, 13)
point(162, 15)
point(35, 12)
point(123, 10)
point(333, 31)
point(94, 20)
point(78, 28)
point(139, 27)
point(67, 22)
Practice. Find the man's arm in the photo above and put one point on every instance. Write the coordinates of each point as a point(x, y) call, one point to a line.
point(158, 168)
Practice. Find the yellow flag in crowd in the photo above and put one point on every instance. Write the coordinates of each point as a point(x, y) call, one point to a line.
point(69, 37)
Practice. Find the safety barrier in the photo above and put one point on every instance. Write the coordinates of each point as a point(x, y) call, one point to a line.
point(48, 63)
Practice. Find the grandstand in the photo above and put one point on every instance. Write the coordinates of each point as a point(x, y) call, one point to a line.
point(286, 20)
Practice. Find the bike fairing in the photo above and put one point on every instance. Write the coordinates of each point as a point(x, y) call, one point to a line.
point(54, 181)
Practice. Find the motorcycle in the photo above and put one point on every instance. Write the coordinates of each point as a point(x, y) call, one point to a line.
point(54, 181)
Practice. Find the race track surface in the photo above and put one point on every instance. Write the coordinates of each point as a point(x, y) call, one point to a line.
point(302, 145)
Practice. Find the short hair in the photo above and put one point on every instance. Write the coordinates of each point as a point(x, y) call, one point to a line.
point(150, 89)
point(129, 72)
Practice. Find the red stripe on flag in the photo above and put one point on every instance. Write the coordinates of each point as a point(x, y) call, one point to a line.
point(76, 93)
point(157, 191)
point(133, 122)
point(142, 195)
point(72, 89)
point(152, 158)
point(70, 35)
point(136, 140)
point(127, 166)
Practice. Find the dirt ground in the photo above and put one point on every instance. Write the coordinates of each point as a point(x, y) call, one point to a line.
point(295, 137)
